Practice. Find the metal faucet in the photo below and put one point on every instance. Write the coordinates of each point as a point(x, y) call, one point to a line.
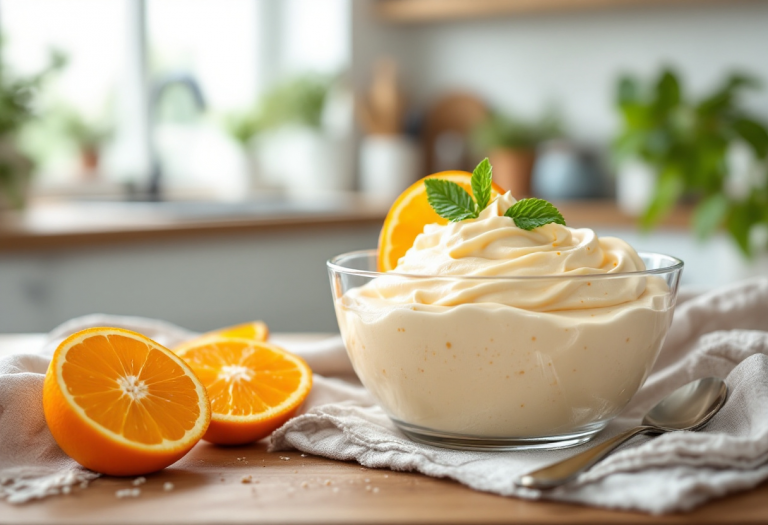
point(158, 90)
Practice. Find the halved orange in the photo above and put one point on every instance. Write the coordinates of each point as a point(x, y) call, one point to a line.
point(255, 331)
point(254, 386)
point(411, 212)
point(121, 404)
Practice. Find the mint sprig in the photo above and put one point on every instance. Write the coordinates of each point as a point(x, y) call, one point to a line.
point(532, 213)
point(451, 201)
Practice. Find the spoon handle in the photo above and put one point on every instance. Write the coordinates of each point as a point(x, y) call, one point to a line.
point(567, 469)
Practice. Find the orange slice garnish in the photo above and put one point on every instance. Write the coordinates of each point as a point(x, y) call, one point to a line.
point(411, 212)
point(254, 386)
point(121, 404)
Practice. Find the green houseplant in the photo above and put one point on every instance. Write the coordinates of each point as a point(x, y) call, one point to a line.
point(510, 143)
point(298, 101)
point(17, 97)
point(685, 142)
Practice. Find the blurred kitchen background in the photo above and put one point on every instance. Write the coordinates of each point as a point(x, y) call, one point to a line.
point(199, 160)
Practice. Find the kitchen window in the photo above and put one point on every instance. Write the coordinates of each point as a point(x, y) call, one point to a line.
point(150, 85)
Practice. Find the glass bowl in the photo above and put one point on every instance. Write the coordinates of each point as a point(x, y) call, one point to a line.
point(503, 372)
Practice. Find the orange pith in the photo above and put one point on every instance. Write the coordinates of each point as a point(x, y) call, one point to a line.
point(254, 386)
point(410, 213)
point(121, 404)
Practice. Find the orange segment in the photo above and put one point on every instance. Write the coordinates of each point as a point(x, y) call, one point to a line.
point(411, 212)
point(255, 331)
point(121, 404)
point(254, 386)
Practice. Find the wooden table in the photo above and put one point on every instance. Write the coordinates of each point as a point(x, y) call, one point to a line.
point(289, 487)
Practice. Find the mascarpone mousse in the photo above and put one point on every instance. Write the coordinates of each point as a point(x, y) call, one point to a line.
point(485, 329)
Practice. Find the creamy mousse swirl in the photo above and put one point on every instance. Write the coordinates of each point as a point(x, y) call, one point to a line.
point(493, 246)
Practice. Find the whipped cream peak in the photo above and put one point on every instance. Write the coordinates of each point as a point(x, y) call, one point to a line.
point(497, 207)
point(493, 246)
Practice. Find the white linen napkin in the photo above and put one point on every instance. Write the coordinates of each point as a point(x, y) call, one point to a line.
point(723, 333)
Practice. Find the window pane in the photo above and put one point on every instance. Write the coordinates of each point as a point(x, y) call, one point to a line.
point(216, 42)
point(203, 65)
point(92, 36)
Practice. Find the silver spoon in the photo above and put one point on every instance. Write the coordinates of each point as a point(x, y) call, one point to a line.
point(690, 407)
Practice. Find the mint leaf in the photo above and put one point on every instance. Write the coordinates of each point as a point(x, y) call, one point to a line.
point(482, 178)
point(532, 213)
point(450, 200)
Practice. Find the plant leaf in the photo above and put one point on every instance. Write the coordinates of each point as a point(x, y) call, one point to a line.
point(449, 200)
point(723, 97)
point(627, 92)
point(667, 91)
point(755, 135)
point(532, 213)
point(710, 214)
point(482, 178)
point(668, 190)
point(739, 224)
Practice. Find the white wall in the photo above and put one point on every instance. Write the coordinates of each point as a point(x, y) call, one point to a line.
point(573, 59)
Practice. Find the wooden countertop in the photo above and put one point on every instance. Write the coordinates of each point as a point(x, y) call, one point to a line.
point(63, 225)
point(209, 488)
point(426, 11)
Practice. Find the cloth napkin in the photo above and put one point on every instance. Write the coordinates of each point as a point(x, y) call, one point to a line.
point(721, 333)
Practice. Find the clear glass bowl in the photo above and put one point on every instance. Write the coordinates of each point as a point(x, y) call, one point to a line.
point(504, 374)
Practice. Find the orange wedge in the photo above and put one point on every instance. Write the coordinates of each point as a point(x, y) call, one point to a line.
point(254, 386)
point(411, 212)
point(255, 331)
point(121, 404)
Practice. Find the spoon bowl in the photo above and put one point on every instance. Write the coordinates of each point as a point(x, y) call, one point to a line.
point(690, 407)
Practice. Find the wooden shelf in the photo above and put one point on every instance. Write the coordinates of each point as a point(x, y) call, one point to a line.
point(415, 11)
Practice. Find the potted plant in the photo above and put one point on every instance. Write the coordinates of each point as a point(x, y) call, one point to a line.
point(244, 126)
point(17, 96)
point(510, 144)
point(683, 147)
point(298, 146)
point(88, 135)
